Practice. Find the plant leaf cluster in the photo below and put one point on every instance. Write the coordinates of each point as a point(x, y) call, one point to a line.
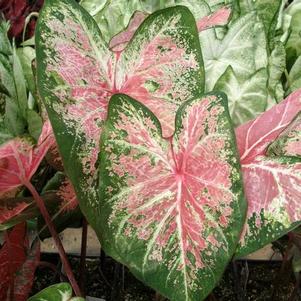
point(177, 126)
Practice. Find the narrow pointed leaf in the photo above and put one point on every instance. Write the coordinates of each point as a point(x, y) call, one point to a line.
point(171, 208)
point(272, 184)
point(35, 124)
point(5, 47)
point(77, 74)
point(26, 56)
point(5, 134)
point(20, 84)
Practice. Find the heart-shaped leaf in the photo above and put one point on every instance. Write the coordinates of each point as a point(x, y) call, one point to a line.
point(272, 184)
point(247, 98)
point(218, 18)
point(114, 16)
point(77, 74)
point(267, 11)
point(172, 208)
point(244, 48)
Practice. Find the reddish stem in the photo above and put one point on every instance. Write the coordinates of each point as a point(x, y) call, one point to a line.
point(11, 273)
point(83, 254)
point(55, 237)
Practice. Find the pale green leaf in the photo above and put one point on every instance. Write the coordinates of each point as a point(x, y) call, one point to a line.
point(13, 119)
point(247, 98)
point(277, 66)
point(6, 76)
point(20, 84)
point(267, 11)
point(244, 48)
point(294, 78)
point(5, 47)
point(293, 44)
point(5, 134)
point(35, 124)
point(113, 17)
point(26, 56)
point(56, 292)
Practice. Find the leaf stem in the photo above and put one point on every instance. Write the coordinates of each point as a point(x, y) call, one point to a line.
point(55, 237)
point(83, 254)
point(11, 272)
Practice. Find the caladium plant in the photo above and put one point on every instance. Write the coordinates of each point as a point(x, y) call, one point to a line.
point(161, 66)
point(77, 75)
point(272, 183)
point(163, 190)
point(171, 207)
point(20, 158)
point(242, 46)
point(18, 264)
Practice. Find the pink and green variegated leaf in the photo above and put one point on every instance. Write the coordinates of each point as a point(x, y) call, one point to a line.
point(288, 142)
point(218, 18)
point(77, 74)
point(16, 210)
point(65, 212)
point(272, 183)
point(25, 275)
point(19, 160)
point(119, 42)
point(12, 257)
point(172, 208)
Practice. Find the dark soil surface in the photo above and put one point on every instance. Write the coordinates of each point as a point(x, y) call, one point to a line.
point(242, 281)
